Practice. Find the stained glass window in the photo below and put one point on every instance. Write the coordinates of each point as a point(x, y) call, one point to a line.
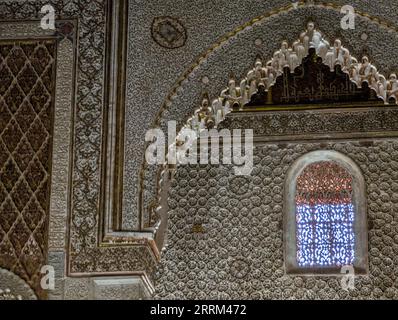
point(324, 216)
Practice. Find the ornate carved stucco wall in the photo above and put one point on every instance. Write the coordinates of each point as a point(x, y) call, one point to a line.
point(235, 256)
point(23, 15)
point(226, 231)
point(33, 231)
point(234, 53)
point(158, 78)
point(75, 201)
point(27, 105)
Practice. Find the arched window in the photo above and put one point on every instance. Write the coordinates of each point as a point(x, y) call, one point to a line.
point(324, 216)
point(325, 221)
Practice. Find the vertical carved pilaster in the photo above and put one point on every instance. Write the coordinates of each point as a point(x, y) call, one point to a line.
point(115, 91)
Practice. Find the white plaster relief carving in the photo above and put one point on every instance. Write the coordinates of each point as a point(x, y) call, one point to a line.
point(61, 147)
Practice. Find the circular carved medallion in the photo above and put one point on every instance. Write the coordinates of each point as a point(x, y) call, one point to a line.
point(168, 32)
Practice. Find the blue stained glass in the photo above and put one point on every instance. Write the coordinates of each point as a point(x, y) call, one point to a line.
point(324, 216)
point(323, 242)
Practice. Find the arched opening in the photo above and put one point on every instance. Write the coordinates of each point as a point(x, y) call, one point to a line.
point(325, 215)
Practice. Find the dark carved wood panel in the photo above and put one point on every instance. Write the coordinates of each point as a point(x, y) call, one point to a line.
point(27, 85)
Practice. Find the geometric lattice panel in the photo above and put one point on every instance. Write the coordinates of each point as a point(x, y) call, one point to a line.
point(27, 85)
point(324, 216)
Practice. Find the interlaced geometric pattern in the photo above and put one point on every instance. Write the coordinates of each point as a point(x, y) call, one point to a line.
point(27, 83)
point(324, 216)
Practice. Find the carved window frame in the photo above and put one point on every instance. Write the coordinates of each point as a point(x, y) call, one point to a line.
point(360, 210)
